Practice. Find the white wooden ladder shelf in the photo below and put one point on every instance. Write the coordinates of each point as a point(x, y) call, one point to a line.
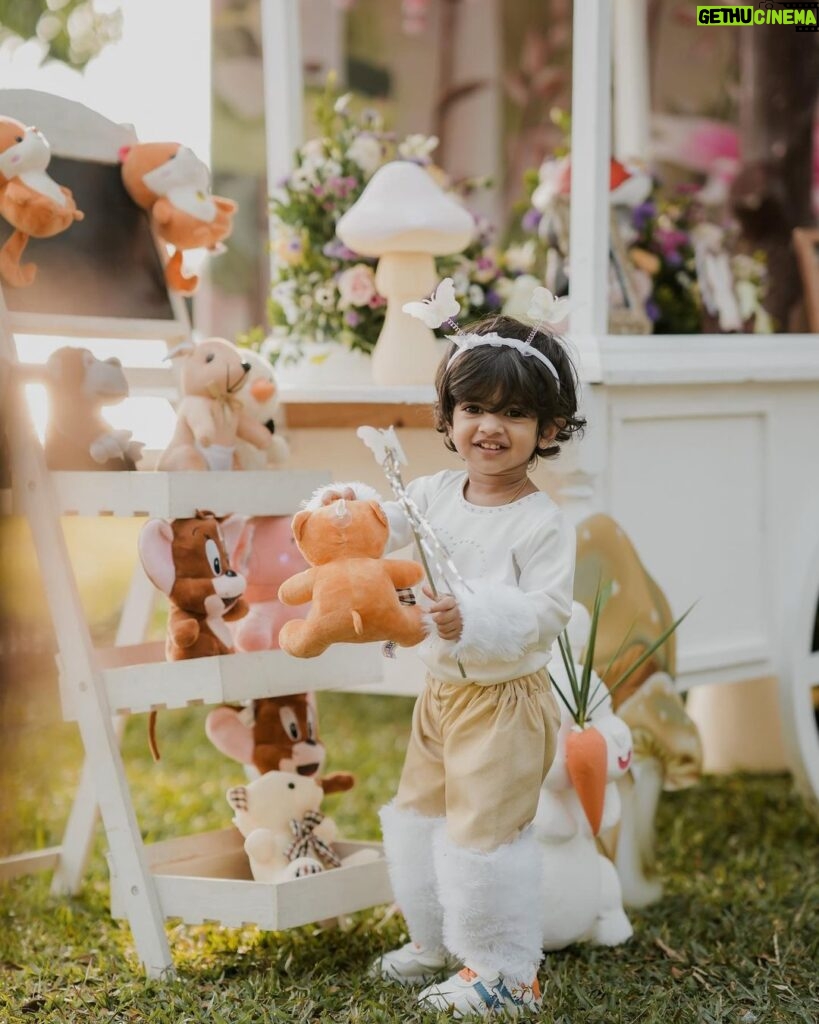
point(199, 877)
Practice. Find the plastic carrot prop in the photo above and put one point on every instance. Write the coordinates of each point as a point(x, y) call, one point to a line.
point(587, 765)
point(586, 752)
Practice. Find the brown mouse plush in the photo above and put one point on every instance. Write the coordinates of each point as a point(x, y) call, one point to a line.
point(276, 734)
point(187, 560)
point(352, 587)
point(77, 436)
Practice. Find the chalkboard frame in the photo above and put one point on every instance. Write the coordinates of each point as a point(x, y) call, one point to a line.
point(81, 139)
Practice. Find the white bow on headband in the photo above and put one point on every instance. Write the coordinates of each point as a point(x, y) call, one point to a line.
point(442, 307)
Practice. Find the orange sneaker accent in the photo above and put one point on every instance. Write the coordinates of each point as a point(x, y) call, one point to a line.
point(467, 974)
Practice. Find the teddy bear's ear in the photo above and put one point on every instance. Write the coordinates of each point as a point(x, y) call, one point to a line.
point(299, 523)
point(378, 512)
point(156, 554)
point(237, 798)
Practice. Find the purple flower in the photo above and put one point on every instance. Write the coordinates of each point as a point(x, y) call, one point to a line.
point(652, 311)
point(351, 318)
point(642, 214)
point(336, 250)
point(531, 219)
point(492, 299)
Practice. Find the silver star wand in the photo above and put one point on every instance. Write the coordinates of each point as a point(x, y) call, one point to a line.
point(389, 454)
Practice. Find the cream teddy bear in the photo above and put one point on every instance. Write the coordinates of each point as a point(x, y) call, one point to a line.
point(210, 418)
point(286, 835)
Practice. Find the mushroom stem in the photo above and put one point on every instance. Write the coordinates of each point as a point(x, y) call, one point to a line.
point(407, 351)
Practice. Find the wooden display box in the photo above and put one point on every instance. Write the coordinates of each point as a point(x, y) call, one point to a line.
point(206, 877)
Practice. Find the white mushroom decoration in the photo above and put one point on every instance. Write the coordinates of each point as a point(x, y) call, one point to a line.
point(404, 218)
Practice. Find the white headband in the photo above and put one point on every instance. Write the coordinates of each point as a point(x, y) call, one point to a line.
point(442, 307)
point(467, 342)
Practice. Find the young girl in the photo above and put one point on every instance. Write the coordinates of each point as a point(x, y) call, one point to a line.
point(464, 865)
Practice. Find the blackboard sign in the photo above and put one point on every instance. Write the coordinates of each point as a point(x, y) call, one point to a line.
point(106, 265)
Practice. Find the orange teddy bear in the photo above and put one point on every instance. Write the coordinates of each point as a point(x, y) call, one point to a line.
point(353, 589)
point(30, 200)
point(173, 185)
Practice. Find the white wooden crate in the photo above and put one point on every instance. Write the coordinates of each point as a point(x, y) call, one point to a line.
point(206, 877)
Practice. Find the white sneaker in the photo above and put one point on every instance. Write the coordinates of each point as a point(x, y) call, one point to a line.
point(469, 993)
point(412, 964)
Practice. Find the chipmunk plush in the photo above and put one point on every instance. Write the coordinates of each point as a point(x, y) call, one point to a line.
point(173, 185)
point(187, 560)
point(276, 734)
point(210, 418)
point(353, 589)
point(30, 200)
point(260, 400)
point(77, 437)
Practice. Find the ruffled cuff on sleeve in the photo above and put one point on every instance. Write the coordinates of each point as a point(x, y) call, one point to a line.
point(499, 623)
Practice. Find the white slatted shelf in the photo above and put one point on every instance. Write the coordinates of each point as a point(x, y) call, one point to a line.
point(178, 495)
point(21, 864)
point(206, 877)
point(138, 679)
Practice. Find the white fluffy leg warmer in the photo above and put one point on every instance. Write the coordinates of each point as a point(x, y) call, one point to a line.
point(493, 904)
point(408, 845)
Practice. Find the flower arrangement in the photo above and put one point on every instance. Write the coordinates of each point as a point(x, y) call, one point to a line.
point(660, 235)
point(323, 291)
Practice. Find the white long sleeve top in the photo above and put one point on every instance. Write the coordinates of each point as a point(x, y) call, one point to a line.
point(518, 561)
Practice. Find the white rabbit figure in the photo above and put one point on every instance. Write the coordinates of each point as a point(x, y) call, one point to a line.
point(583, 898)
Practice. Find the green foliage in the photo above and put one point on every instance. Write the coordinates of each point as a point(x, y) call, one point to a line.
point(583, 704)
point(72, 31)
point(322, 291)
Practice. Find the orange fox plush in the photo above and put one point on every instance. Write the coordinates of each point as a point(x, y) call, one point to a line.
point(30, 200)
point(353, 589)
point(173, 185)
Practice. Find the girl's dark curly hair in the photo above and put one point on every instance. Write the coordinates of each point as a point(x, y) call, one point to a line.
point(499, 377)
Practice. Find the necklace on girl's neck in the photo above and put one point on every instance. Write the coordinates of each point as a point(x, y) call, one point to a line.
point(517, 493)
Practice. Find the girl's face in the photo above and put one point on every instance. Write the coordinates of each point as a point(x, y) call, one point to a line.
point(495, 443)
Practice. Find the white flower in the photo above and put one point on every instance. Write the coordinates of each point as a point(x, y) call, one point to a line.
point(418, 147)
point(303, 178)
point(549, 188)
point(520, 258)
point(356, 286)
point(461, 282)
point(283, 292)
point(476, 295)
point(325, 295)
point(342, 104)
point(313, 150)
point(306, 302)
point(366, 152)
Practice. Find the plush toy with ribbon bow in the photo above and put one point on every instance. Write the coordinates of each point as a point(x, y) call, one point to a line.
point(210, 418)
point(30, 200)
point(286, 835)
point(173, 185)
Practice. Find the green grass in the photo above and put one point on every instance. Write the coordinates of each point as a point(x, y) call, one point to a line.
point(735, 939)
